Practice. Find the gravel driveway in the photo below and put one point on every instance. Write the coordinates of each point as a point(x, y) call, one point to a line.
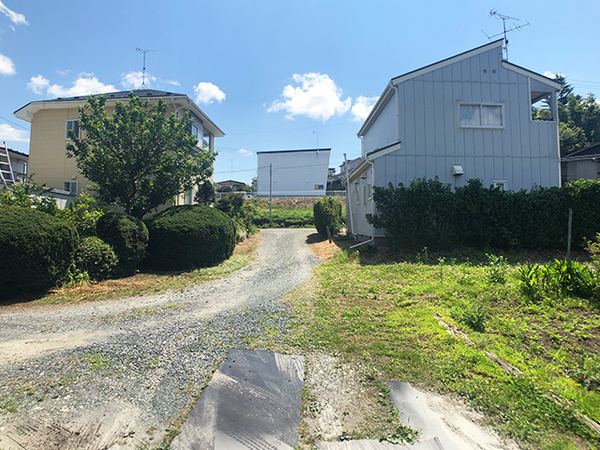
point(119, 374)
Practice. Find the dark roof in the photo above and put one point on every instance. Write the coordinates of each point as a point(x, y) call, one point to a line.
point(591, 151)
point(18, 153)
point(448, 59)
point(295, 151)
point(141, 93)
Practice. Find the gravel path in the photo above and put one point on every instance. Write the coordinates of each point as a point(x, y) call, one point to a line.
point(118, 374)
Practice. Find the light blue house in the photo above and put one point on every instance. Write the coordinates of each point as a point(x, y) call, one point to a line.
point(468, 116)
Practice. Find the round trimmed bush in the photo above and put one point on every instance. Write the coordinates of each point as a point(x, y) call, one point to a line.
point(327, 212)
point(37, 250)
point(191, 236)
point(96, 257)
point(128, 236)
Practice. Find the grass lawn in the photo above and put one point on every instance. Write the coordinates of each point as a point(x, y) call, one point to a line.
point(393, 317)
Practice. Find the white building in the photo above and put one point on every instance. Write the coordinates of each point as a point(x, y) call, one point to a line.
point(293, 173)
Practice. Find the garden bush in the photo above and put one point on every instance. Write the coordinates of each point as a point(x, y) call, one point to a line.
point(327, 212)
point(128, 236)
point(241, 211)
point(95, 257)
point(429, 214)
point(188, 237)
point(37, 250)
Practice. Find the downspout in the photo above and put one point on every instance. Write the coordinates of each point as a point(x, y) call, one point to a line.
point(372, 207)
point(348, 199)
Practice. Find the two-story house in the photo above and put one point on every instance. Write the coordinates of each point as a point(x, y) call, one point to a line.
point(51, 121)
point(468, 116)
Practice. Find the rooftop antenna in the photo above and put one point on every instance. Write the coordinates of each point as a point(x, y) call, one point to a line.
point(515, 26)
point(139, 50)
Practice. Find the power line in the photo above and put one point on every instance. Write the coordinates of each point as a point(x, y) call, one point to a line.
point(14, 123)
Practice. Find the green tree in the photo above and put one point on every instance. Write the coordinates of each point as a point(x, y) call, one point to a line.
point(206, 193)
point(140, 157)
point(28, 194)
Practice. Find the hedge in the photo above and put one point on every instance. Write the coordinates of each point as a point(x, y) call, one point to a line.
point(328, 214)
point(429, 214)
point(188, 237)
point(37, 250)
point(128, 236)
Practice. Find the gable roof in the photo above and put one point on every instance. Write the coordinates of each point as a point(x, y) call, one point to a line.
point(26, 112)
point(390, 88)
point(311, 150)
point(589, 152)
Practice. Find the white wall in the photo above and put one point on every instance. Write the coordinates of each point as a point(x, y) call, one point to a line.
point(295, 173)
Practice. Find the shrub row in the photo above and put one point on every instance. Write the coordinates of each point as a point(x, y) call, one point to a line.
point(429, 214)
point(41, 250)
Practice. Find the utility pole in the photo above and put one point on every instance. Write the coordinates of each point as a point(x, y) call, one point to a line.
point(270, 191)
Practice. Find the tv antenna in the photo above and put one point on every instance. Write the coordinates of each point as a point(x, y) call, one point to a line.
point(139, 50)
point(515, 26)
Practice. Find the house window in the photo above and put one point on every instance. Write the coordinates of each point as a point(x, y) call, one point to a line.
point(499, 184)
point(73, 125)
point(72, 187)
point(481, 115)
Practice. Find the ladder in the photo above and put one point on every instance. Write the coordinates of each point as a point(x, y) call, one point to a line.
point(6, 173)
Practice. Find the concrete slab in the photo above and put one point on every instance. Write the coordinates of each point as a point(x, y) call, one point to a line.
point(414, 412)
point(252, 402)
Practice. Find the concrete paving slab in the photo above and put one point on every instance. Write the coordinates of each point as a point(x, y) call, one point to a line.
point(252, 402)
point(414, 412)
point(422, 444)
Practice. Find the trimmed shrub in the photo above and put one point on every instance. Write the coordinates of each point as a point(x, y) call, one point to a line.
point(188, 237)
point(37, 250)
point(128, 236)
point(327, 212)
point(429, 214)
point(95, 257)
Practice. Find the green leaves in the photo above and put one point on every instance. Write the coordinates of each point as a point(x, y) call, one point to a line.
point(140, 157)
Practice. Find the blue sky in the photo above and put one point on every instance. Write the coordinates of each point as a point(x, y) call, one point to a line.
point(272, 74)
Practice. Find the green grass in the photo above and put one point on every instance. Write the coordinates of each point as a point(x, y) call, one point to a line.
point(387, 315)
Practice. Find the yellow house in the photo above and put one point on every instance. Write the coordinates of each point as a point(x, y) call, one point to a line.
point(51, 120)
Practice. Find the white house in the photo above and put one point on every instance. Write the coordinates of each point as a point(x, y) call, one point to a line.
point(468, 116)
point(293, 173)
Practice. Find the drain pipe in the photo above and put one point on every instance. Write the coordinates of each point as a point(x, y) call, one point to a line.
point(348, 199)
point(372, 207)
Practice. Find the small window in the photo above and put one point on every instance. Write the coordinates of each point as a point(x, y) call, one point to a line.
point(73, 125)
point(481, 115)
point(500, 184)
point(72, 187)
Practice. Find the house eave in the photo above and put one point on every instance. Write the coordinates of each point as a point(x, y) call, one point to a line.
point(381, 103)
point(533, 75)
point(27, 112)
point(446, 62)
point(372, 156)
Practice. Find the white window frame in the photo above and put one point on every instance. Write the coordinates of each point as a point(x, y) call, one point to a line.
point(500, 184)
point(481, 105)
point(71, 122)
point(72, 187)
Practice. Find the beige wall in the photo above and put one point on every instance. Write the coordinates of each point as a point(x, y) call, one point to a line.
point(47, 150)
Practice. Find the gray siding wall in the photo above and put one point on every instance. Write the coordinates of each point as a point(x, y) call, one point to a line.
point(524, 153)
point(384, 130)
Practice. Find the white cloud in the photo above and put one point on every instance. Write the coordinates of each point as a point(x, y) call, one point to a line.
point(63, 72)
point(207, 93)
point(173, 82)
point(243, 151)
point(8, 133)
point(38, 84)
point(549, 74)
point(6, 66)
point(14, 17)
point(317, 97)
point(362, 107)
point(134, 80)
point(85, 84)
